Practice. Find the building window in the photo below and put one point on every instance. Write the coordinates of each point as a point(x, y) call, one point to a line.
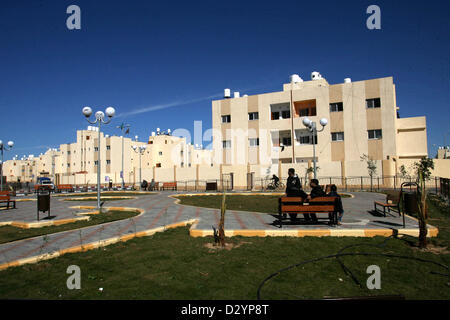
point(108, 161)
point(336, 107)
point(96, 162)
point(150, 142)
point(95, 148)
point(286, 141)
point(375, 134)
point(280, 111)
point(88, 137)
point(158, 165)
point(226, 119)
point(108, 147)
point(160, 153)
point(253, 142)
point(253, 116)
point(226, 144)
point(337, 136)
point(68, 153)
point(373, 103)
point(68, 165)
point(182, 164)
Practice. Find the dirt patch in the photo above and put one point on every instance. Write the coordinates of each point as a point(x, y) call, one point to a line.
point(228, 246)
point(434, 249)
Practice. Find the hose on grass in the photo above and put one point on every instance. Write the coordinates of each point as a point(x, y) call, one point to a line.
point(346, 269)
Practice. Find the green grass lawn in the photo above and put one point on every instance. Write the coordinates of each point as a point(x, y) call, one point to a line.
point(10, 233)
point(254, 203)
point(172, 265)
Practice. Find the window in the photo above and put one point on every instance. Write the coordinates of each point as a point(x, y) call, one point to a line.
point(285, 114)
point(96, 162)
point(226, 119)
point(108, 147)
point(253, 116)
point(373, 103)
point(88, 137)
point(275, 115)
point(158, 165)
point(160, 153)
point(95, 148)
point(336, 107)
point(182, 164)
point(151, 142)
point(337, 136)
point(375, 134)
point(303, 140)
point(68, 153)
point(286, 141)
point(253, 142)
point(226, 144)
point(68, 165)
point(108, 161)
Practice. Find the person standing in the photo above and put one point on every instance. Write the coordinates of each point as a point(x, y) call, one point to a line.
point(294, 189)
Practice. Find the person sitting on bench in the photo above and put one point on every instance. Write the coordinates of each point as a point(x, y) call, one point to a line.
point(294, 189)
point(340, 208)
point(316, 191)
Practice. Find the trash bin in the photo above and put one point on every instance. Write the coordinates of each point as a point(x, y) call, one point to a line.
point(43, 201)
point(410, 204)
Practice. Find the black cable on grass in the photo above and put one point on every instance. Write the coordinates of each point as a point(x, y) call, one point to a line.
point(346, 269)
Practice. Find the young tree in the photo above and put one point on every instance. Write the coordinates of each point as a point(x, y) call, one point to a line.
point(403, 172)
point(371, 167)
point(222, 221)
point(423, 170)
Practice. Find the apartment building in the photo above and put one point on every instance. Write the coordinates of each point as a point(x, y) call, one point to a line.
point(76, 163)
point(363, 119)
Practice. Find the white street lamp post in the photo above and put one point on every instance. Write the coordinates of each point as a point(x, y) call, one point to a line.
point(2, 148)
point(99, 119)
point(140, 150)
point(125, 129)
point(311, 125)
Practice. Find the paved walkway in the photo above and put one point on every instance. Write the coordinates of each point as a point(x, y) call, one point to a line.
point(161, 211)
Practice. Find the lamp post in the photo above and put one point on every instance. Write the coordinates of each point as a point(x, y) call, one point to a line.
point(99, 119)
point(125, 128)
point(312, 127)
point(140, 150)
point(2, 148)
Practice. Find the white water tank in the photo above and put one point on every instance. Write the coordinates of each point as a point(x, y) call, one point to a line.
point(236, 94)
point(153, 133)
point(227, 93)
point(347, 80)
point(316, 75)
point(295, 78)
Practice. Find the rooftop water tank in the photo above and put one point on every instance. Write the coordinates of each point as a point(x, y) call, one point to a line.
point(295, 78)
point(227, 93)
point(347, 80)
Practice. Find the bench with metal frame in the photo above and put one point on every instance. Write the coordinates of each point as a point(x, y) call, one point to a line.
point(392, 202)
point(169, 185)
point(5, 197)
point(298, 205)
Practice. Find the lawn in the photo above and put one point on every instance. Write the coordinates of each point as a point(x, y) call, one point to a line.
point(254, 203)
point(172, 265)
point(10, 233)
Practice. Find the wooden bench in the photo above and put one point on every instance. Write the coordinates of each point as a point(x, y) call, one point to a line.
point(392, 202)
point(297, 205)
point(67, 187)
point(5, 197)
point(169, 185)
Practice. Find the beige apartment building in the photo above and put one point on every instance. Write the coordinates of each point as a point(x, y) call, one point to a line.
point(76, 163)
point(266, 132)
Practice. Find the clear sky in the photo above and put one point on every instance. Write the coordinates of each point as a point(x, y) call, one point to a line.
point(170, 58)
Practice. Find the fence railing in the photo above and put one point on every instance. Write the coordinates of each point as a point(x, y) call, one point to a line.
point(361, 183)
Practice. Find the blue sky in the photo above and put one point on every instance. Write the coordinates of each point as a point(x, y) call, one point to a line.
point(144, 54)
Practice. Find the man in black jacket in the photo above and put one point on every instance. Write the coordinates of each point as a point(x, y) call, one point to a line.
point(294, 189)
point(316, 191)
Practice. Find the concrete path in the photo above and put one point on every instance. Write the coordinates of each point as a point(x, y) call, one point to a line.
point(160, 211)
